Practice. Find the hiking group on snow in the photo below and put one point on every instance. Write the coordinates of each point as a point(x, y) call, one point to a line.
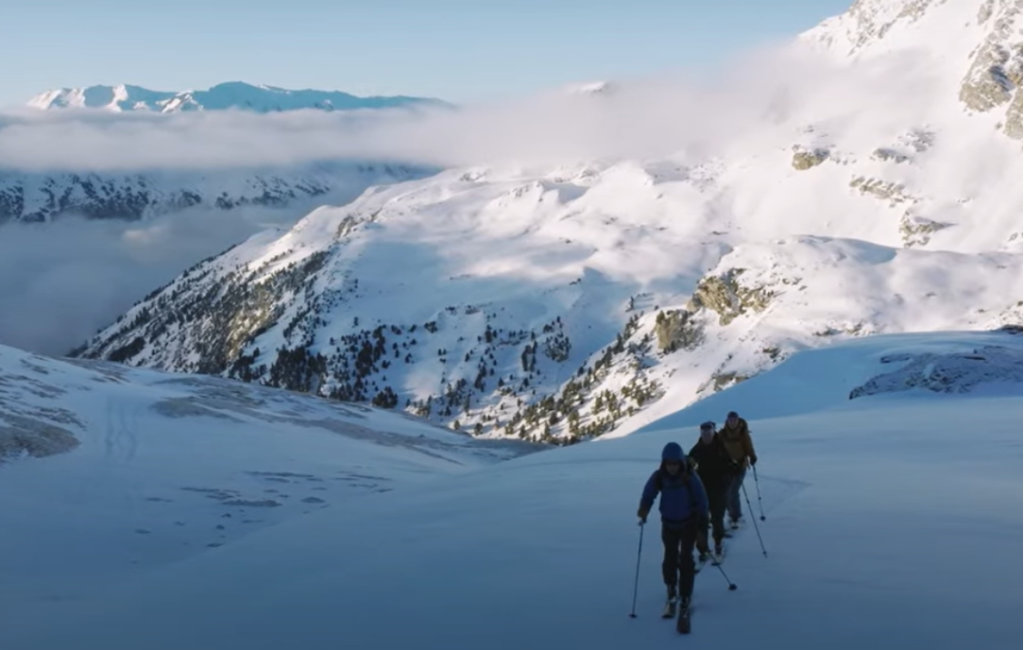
point(697, 490)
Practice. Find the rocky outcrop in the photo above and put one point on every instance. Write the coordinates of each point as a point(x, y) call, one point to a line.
point(725, 296)
point(1012, 127)
point(917, 231)
point(20, 435)
point(880, 189)
point(805, 159)
point(890, 155)
point(722, 380)
point(995, 74)
point(947, 373)
point(675, 329)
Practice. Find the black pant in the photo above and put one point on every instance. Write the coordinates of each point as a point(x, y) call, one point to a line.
point(679, 543)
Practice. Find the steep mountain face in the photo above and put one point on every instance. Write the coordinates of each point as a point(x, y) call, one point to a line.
point(560, 303)
point(42, 196)
point(231, 95)
point(986, 33)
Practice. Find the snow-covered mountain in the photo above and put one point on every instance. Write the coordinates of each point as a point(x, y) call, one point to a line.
point(560, 303)
point(897, 505)
point(987, 33)
point(230, 95)
point(591, 88)
point(45, 196)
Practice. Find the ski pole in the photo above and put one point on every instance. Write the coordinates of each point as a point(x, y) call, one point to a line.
point(760, 504)
point(636, 579)
point(744, 488)
point(732, 586)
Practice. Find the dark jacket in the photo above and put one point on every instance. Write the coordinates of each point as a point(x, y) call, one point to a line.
point(713, 463)
point(682, 497)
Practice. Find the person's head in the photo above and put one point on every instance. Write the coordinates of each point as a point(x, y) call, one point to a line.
point(733, 419)
point(672, 458)
point(707, 431)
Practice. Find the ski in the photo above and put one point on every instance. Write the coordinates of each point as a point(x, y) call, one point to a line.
point(683, 622)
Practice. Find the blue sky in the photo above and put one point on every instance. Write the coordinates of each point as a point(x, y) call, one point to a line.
point(460, 50)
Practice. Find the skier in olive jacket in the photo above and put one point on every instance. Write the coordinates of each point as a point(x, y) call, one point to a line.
point(684, 509)
point(736, 437)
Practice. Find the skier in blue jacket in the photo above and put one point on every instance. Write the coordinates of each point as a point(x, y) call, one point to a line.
point(684, 508)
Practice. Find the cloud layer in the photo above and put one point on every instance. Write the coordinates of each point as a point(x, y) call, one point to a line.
point(642, 118)
point(61, 282)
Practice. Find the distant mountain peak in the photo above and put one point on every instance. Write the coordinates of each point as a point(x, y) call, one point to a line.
point(590, 88)
point(238, 95)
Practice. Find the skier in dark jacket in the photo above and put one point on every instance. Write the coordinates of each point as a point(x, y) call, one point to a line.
point(684, 509)
point(715, 469)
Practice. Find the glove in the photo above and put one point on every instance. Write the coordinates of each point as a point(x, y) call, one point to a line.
point(702, 545)
point(642, 513)
point(753, 461)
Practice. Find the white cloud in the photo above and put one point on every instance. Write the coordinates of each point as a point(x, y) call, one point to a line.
point(642, 118)
point(58, 285)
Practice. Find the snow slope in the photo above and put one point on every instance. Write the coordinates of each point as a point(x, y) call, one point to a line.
point(885, 516)
point(230, 95)
point(107, 471)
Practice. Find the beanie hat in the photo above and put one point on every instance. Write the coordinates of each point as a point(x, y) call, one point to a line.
point(672, 451)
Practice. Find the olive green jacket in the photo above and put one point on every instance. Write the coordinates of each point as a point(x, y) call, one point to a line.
point(737, 442)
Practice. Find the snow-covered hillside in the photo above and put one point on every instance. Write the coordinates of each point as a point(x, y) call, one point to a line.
point(45, 196)
point(563, 302)
point(986, 33)
point(107, 471)
point(230, 95)
point(884, 514)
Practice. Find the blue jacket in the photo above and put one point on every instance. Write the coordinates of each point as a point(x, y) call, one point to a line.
point(682, 497)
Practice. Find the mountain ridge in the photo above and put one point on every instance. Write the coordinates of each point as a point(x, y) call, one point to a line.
point(33, 197)
point(237, 95)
